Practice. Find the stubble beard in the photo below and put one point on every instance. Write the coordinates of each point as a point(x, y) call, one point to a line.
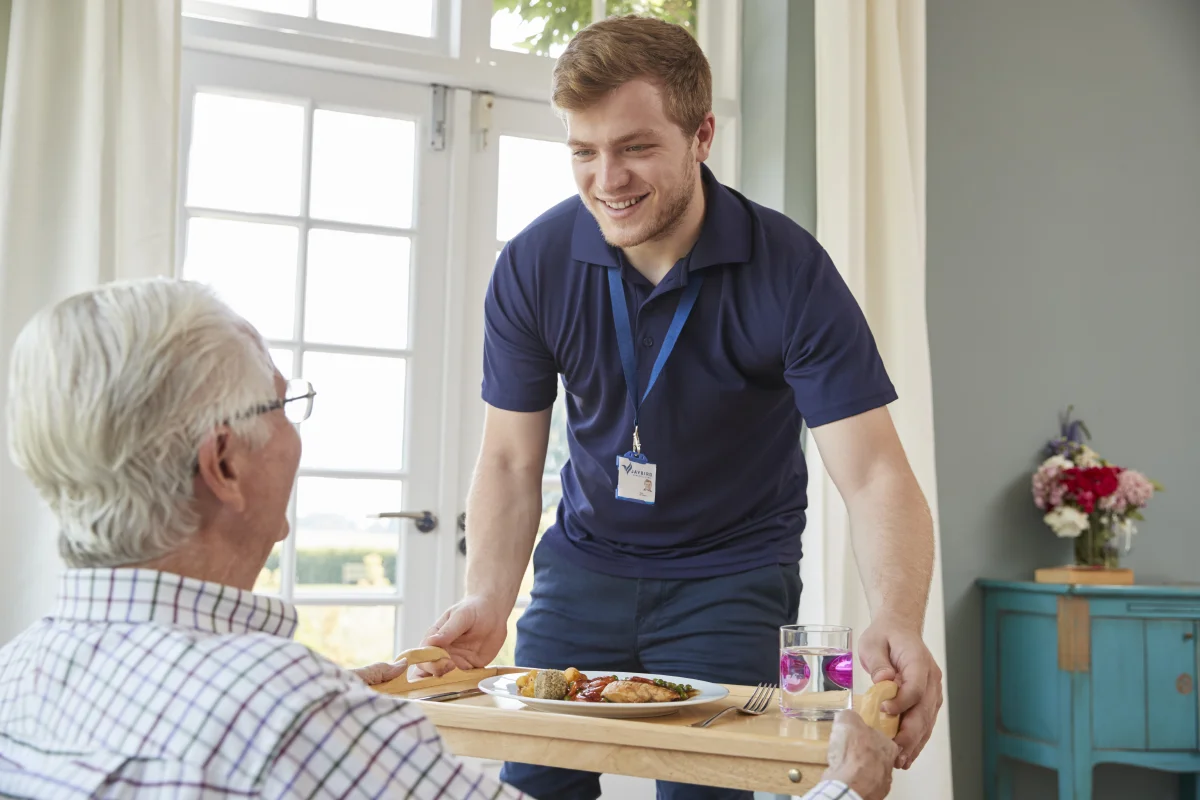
point(668, 218)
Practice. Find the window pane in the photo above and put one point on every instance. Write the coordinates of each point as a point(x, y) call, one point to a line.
point(251, 265)
point(357, 291)
point(245, 155)
point(539, 28)
point(362, 169)
point(285, 362)
point(414, 17)
point(681, 12)
point(270, 577)
point(534, 175)
point(358, 414)
point(339, 547)
point(297, 8)
point(558, 452)
point(352, 636)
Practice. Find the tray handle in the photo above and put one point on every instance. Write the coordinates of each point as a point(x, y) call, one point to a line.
point(428, 655)
point(873, 715)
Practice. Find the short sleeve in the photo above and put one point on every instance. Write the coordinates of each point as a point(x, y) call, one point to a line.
point(830, 357)
point(519, 371)
point(357, 743)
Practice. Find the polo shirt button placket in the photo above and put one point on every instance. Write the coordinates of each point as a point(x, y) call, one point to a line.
point(647, 341)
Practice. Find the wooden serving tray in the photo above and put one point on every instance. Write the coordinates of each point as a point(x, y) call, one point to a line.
point(767, 753)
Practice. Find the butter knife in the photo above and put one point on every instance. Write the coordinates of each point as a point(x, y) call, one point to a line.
point(444, 696)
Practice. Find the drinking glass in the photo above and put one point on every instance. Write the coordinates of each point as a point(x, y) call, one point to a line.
point(816, 671)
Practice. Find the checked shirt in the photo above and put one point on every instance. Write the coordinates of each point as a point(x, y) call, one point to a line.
point(149, 684)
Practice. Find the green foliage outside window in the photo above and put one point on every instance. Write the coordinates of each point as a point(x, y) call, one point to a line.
point(562, 19)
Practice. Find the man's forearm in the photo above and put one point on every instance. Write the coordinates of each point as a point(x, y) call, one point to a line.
point(503, 510)
point(892, 533)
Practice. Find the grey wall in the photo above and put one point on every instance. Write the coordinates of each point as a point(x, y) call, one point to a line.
point(1063, 267)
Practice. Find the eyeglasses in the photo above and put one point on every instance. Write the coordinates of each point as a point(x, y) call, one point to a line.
point(297, 402)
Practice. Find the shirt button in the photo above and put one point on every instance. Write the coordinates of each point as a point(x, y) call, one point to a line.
point(648, 342)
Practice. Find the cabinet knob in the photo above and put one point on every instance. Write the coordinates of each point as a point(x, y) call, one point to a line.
point(1187, 637)
point(1183, 684)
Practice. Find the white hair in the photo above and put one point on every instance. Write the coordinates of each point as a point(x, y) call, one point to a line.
point(111, 393)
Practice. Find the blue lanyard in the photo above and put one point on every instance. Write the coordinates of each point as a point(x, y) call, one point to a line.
point(616, 293)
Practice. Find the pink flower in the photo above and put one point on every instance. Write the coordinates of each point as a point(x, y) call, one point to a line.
point(1115, 502)
point(1048, 490)
point(1135, 488)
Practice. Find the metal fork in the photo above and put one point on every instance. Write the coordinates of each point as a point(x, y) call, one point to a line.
point(756, 705)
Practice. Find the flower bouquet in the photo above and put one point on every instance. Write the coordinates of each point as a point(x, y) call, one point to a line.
point(1087, 499)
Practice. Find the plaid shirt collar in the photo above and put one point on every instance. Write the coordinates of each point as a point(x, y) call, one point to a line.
point(140, 596)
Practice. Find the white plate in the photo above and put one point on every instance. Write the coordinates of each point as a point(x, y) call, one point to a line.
point(506, 686)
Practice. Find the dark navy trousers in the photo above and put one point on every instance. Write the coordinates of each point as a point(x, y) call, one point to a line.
point(723, 629)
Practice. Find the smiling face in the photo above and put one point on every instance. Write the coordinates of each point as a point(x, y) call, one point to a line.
point(637, 172)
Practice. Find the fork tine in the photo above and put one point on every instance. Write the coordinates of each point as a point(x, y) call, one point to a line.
point(755, 698)
point(765, 700)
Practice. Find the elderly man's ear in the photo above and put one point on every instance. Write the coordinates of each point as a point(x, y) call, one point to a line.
point(220, 466)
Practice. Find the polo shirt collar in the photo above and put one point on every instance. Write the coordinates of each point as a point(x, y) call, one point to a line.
point(725, 237)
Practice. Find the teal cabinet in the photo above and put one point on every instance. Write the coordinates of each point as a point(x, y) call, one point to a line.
point(1075, 676)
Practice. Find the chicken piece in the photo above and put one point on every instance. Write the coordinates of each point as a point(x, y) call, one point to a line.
point(637, 692)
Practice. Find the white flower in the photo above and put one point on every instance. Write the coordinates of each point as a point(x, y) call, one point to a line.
point(1087, 458)
point(1067, 521)
point(1057, 463)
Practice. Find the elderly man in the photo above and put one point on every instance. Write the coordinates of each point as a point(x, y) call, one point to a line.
point(150, 418)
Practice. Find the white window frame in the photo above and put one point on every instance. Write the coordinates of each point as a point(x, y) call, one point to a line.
point(459, 55)
point(424, 355)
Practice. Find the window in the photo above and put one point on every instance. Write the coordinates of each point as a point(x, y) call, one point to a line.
point(352, 212)
point(301, 208)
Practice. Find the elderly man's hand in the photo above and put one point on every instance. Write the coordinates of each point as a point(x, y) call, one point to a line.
point(382, 672)
point(860, 757)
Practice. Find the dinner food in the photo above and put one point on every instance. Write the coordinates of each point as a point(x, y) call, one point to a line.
point(550, 684)
point(638, 692)
point(572, 685)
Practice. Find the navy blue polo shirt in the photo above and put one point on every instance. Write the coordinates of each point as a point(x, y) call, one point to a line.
point(775, 336)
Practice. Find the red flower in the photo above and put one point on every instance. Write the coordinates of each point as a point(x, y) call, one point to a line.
point(1087, 486)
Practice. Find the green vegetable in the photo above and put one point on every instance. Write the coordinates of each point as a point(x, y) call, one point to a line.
point(680, 689)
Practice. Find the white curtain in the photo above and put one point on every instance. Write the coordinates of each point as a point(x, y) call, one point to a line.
point(88, 155)
point(870, 73)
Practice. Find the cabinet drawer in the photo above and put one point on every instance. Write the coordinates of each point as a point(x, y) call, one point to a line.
point(1185, 608)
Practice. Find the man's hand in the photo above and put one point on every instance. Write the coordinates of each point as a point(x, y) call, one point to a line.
point(860, 757)
point(472, 631)
point(891, 651)
point(382, 672)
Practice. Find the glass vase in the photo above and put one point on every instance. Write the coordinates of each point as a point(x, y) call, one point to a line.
point(1100, 545)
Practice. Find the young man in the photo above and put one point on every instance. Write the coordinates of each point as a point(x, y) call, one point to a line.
point(693, 330)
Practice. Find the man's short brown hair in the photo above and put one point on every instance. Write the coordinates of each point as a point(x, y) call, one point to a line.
point(609, 53)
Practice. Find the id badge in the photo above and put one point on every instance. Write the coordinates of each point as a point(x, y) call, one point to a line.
point(637, 479)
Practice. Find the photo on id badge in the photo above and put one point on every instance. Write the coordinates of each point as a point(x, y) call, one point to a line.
point(635, 481)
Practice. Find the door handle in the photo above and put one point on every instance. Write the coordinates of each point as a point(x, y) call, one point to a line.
point(425, 521)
